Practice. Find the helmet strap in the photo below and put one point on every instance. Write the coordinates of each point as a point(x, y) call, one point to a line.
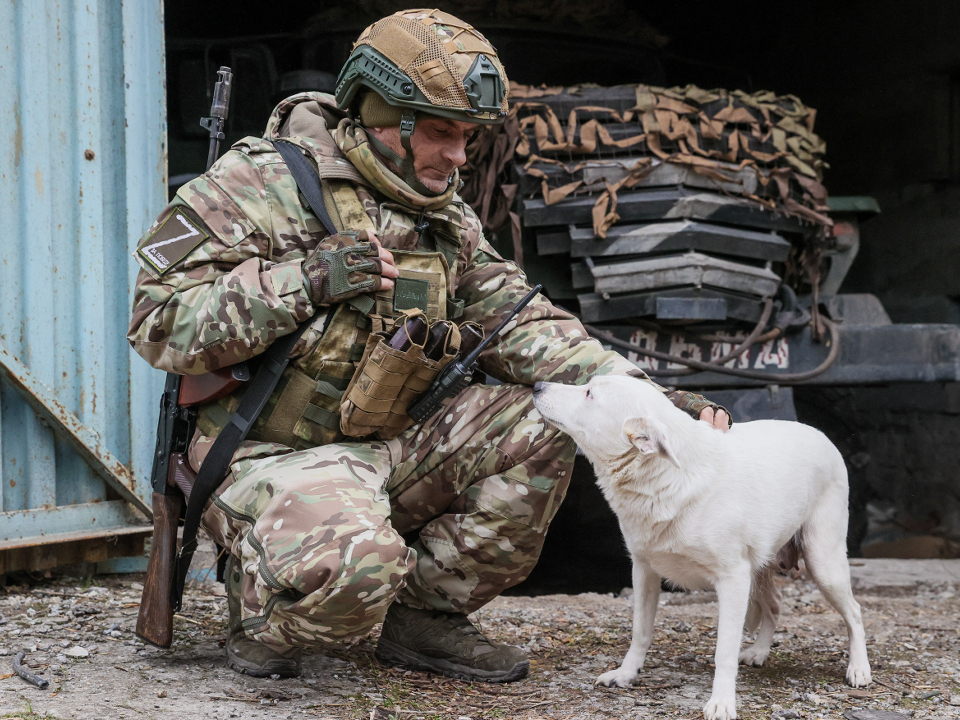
point(406, 165)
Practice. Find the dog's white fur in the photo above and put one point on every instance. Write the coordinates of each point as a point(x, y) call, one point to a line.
point(705, 508)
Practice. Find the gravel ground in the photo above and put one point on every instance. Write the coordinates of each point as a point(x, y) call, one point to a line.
point(79, 636)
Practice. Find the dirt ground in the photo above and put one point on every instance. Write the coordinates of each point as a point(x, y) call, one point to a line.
point(78, 634)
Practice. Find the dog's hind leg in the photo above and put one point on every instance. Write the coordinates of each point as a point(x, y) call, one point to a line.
point(764, 612)
point(825, 551)
point(646, 592)
point(753, 618)
point(733, 596)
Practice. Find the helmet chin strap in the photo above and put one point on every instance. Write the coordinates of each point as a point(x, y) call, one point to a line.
point(407, 124)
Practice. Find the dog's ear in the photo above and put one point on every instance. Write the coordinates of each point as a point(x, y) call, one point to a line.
point(650, 437)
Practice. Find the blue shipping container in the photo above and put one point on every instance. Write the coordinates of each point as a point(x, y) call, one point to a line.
point(82, 111)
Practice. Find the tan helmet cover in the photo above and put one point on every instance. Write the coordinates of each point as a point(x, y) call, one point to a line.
point(438, 51)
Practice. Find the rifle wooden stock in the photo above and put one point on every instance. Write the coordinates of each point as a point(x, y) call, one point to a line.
point(155, 620)
point(199, 389)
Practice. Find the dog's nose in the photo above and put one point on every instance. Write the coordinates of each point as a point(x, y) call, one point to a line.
point(538, 387)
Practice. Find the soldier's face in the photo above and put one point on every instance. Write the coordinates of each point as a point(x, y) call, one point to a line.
point(439, 148)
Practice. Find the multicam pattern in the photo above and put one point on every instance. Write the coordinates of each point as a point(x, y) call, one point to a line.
point(694, 404)
point(320, 531)
point(340, 267)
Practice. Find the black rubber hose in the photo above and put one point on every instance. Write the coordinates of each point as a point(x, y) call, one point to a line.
point(754, 335)
point(26, 674)
point(785, 379)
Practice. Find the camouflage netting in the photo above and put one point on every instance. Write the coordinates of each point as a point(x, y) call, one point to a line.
point(716, 133)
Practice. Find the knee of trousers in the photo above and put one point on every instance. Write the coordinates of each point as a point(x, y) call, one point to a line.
point(341, 589)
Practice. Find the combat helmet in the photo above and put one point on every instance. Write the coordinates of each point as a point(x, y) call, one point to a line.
point(425, 61)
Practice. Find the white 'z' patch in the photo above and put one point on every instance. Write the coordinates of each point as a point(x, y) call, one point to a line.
point(171, 242)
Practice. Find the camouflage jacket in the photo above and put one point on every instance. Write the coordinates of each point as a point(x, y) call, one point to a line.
point(221, 268)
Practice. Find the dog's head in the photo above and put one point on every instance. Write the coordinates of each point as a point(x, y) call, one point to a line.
point(610, 416)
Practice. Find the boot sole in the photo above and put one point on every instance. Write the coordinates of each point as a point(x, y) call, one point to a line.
point(392, 654)
point(285, 668)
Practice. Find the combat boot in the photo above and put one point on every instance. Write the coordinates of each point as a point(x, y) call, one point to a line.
point(448, 644)
point(249, 656)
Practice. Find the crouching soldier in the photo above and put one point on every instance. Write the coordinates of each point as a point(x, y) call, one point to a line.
point(414, 526)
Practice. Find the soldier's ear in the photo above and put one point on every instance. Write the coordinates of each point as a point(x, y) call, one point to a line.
point(650, 437)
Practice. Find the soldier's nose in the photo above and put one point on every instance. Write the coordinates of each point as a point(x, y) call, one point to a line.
point(538, 387)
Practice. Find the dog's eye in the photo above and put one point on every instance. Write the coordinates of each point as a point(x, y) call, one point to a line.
point(589, 395)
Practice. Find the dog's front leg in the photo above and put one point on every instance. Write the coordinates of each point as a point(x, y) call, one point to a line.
point(646, 592)
point(733, 596)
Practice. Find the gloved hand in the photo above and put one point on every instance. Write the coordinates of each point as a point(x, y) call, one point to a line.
point(342, 266)
point(699, 408)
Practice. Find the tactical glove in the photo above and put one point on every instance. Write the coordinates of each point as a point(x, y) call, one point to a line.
point(694, 404)
point(340, 268)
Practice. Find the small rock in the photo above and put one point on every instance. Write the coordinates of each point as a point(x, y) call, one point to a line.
point(61, 658)
point(65, 643)
point(954, 700)
point(788, 714)
point(161, 693)
point(82, 609)
point(77, 652)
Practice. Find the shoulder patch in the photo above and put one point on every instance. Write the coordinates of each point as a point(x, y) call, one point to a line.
point(171, 242)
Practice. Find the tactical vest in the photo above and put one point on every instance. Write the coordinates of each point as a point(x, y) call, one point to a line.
point(304, 409)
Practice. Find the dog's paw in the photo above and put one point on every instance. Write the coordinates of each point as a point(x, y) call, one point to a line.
point(617, 678)
point(754, 655)
point(720, 709)
point(858, 675)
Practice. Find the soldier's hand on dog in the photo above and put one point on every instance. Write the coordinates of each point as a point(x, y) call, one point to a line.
point(348, 264)
point(719, 419)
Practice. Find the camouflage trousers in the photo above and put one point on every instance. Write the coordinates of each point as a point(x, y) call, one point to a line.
point(446, 516)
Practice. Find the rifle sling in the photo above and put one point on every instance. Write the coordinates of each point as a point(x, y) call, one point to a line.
point(307, 180)
point(275, 360)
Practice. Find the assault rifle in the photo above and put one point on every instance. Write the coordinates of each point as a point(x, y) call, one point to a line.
point(171, 476)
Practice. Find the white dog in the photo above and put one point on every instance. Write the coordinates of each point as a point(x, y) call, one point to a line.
point(705, 508)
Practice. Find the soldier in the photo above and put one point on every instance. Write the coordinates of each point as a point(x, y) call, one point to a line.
point(328, 537)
